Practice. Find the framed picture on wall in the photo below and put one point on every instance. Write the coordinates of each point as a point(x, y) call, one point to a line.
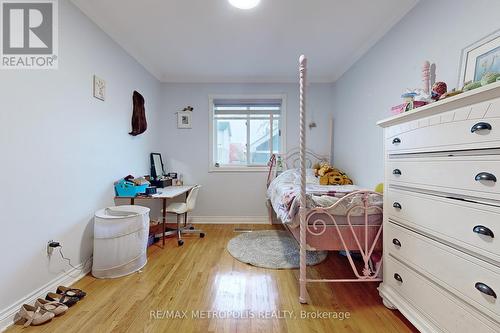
point(184, 119)
point(479, 58)
point(99, 88)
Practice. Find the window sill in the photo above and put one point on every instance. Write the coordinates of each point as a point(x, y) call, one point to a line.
point(239, 169)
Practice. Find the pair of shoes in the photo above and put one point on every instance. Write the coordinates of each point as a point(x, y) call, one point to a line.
point(38, 314)
point(66, 296)
point(51, 306)
point(33, 315)
point(71, 292)
point(63, 299)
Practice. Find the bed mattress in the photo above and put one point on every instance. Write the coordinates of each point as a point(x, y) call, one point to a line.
point(284, 192)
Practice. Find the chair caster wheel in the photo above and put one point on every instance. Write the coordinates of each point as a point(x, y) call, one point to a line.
point(202, 235)
point(180, 242)
point(191, 228)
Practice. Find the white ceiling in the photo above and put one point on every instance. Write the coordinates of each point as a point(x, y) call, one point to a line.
point(211, 41)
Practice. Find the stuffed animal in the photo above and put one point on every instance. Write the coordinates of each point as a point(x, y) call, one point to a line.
point(379, 188)
point(329, 175)
point(438, 89)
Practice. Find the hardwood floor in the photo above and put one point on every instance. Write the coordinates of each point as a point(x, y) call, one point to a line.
point(202, 279)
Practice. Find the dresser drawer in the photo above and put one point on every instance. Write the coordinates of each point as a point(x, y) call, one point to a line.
point(458, 272)
point(476, 176)
point(443, 310)
point(474, 227)
point(471, 127)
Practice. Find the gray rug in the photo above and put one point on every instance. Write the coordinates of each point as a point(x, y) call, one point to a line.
point(270, 249)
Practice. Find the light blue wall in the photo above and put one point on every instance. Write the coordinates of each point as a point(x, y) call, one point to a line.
point(434, 30)
point(186, 150)
point(62, 149)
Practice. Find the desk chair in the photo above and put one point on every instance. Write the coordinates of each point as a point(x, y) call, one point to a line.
point(182, 208)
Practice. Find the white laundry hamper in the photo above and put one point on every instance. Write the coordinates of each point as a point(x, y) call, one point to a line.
point(120, 241)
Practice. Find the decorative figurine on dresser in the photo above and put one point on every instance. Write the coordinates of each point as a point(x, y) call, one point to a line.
point(442, 213)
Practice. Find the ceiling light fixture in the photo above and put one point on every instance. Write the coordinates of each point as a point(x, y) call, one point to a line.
point(244, 4)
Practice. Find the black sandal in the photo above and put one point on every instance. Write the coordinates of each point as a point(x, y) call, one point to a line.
point(64, 299)
point(71, 292)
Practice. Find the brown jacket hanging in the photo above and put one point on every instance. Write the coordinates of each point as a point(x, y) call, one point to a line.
point(139, 124)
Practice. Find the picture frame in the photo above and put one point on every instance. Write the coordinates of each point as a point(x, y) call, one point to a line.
point(480, 57)
point(184, 119)
point(99, 88)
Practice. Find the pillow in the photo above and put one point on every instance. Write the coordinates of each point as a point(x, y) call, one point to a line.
point(310, 177)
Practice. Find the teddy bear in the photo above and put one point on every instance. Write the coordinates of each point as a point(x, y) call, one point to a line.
point(328, 175)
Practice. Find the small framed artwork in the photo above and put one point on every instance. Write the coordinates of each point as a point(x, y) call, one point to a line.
point(184, 119)
point(479, 58)
point(99, 88)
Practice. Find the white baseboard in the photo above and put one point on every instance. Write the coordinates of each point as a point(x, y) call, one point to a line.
point(7, 314)
point(229, 219)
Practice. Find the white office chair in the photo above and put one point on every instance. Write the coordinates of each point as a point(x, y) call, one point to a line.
point(182, 208)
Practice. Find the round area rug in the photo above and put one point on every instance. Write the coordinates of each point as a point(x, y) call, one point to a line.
point(274, 249)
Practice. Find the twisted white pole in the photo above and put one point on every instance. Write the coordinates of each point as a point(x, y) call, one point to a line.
point(302, 147)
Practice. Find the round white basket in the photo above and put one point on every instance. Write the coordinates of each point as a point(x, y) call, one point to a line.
point(120, 241)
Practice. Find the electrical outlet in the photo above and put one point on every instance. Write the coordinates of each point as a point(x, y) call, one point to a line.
point(50, 249)
point(51, 245)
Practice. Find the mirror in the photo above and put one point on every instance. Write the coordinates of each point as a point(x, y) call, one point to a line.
point(157, 170)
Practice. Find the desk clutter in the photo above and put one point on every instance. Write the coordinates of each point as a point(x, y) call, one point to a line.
point(130, 187)
point(161, 183)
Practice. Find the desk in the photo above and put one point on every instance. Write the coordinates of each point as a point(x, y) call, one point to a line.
point(163, 194)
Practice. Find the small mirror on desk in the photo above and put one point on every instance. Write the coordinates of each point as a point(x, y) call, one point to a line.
point(159, 178)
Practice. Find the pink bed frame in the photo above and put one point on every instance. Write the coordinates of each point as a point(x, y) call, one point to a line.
point(342, 232)
point(320, 230)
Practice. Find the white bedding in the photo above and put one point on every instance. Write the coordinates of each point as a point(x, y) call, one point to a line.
point(284, 191)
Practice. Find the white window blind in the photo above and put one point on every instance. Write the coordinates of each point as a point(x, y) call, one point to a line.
point(245, 131)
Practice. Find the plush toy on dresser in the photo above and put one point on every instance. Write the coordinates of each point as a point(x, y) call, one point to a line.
point(329, 175)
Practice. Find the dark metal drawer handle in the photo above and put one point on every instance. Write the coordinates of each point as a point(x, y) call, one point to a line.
point(397, 205)
point(486, 176)
point(396, 242)
point(480, 127)
point(396, 141)
point(396, 172)
point(398, 278)
point(482, 230)
point(485, 289)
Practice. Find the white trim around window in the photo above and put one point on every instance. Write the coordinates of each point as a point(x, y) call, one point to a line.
point(239, 98)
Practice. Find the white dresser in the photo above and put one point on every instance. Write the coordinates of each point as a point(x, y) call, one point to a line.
point(442, 213)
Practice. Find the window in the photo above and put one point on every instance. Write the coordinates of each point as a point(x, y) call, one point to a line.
point(245, 132)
